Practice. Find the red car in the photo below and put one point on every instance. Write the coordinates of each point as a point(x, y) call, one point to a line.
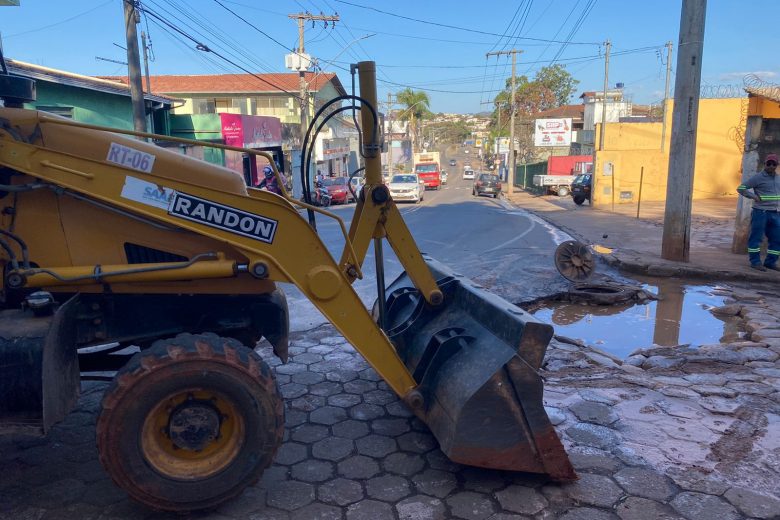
point(337, 187)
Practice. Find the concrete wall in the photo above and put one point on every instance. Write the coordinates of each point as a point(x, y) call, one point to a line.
point(630, 146)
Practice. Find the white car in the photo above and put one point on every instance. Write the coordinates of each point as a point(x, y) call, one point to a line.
point(468, 174)
point(407, 187)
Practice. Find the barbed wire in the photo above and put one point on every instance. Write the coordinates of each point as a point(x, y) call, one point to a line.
point(754, 85)
point(722, 91)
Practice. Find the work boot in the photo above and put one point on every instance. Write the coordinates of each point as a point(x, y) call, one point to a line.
point(758, 267)
point(773, 267)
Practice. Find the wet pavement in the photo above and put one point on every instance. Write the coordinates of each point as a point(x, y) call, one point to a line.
point(672, 432)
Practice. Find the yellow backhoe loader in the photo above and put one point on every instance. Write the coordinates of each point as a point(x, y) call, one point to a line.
point(109, 241)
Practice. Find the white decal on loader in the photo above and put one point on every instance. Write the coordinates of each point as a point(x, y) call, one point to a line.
point(130, 158)
point(223, 217)
point(147, 193)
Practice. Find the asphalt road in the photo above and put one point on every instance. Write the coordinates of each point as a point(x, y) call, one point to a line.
point(505, 249)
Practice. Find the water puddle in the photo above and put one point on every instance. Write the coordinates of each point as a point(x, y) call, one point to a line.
point(680, 316)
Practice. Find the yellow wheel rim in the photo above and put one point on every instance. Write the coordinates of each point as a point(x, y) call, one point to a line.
point(217, 424)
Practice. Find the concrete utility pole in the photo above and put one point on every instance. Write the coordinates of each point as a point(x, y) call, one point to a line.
point(666, 93)
point(304, 102)
point(682, 151)
point(134, 66)
point(608, 45)
point(510, 178)
point(390, 133)
point(146, 62)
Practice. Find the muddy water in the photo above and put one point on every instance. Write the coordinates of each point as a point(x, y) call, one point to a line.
point(680, 316)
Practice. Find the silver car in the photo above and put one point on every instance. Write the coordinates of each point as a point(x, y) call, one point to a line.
point(407, 187)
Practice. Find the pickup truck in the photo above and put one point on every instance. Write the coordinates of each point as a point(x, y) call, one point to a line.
point(555, 184)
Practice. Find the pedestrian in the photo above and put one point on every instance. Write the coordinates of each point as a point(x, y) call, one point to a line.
point(765, 218)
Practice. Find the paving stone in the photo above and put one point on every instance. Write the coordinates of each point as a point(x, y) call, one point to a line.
point(754, 378)
point(435, 482)
point(596, 396)
point(645, 483)
point(308, 357)
point(593, 435)
point(405, 464)
point(359, 386)
point(326, 388)
point(307, 403)
point(679, 409)
point(556, 415)
point(662, 362)
point(483, 480)
point(344, 400)
point(370, 509)
point(417, 442)
point(340, 491)
point(376, 445)
point(594, 490)
point(678, 391)
point(358, 467)
point(470, 506)
point(636, 360)
point(596, 413)
point(719, 405)
point(765, 334)
point(521, 499)
point(369, 374)
point(290, 453)
point(341, 375)
point(308, 378)
point(697, 506)
point(290, 495)
point(751, 388)
point(600, 360)
point(389, 488)
point(317, 512)
point(692, 480)
point(706, 379)
point(585, 457)
point(392, 427)
point(420, 507)
point(292, 390)
point(635, 508)
point(768, 372)
point(312, 470)
point(438, 460)
point(380, 397)
point(707, 390)
point(333, 448)
point(350, 429)
point(753, 504)
point(291, 368)
point(293, 418)
point(759, 354)
point(586, 513)
point(723, 355)
point(399, 409)
point(309, 433)
point(328, 415)
point(366, 412)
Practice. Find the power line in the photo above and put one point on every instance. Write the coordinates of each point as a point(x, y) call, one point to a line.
point(66, 20)
point(475, 31)
point(575, 28)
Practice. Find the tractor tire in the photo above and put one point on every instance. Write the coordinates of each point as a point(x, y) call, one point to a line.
point(563, 191)
point(579, 199)
point(190, 422)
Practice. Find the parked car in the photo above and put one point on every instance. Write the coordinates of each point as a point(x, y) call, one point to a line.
point(580, 188)
point(487, 184)
point(444, 177)
point(337, 187)
point(453, 162)
point(468, 174)
point(408, 187)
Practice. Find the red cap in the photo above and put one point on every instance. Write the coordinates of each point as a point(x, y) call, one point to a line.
point(771, 157)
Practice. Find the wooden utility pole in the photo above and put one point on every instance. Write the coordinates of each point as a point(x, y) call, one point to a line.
point(682, 151)
point(608, 45)
point(666, 93)
point(304, 101)
point(134, 66)
point(510, 178)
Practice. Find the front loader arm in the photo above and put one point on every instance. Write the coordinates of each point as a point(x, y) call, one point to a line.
point(277, 242)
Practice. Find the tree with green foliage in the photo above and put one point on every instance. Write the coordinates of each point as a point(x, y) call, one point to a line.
point(416, 107)
point(559, 81)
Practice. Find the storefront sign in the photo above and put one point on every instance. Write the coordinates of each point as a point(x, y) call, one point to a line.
point(552, 132)
point(251, 131)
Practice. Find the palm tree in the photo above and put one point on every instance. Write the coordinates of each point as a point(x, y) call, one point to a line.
point(417, 106)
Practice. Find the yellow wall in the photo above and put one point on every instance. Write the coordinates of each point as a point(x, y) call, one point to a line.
point(631, 146)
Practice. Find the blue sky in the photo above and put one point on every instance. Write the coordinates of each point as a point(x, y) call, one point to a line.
point(447, 60)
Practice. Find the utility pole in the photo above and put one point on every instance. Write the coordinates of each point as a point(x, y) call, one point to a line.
point(608, 46)
point(682, 151)
point(146, 62)
point(510, 178)
point(666, 93)
point(304, 101)
point(134, 66)
point(390, 133)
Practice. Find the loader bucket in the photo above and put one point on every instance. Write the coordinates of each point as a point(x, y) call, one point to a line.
point(476, 359)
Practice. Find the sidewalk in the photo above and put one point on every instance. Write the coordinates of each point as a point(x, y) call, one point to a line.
point(636, 243)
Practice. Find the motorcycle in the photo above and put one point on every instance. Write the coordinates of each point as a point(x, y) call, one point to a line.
point(321, 197)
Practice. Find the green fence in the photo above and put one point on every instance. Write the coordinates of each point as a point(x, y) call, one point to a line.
point(524, 175)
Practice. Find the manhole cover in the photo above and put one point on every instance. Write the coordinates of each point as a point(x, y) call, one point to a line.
point(574, 261)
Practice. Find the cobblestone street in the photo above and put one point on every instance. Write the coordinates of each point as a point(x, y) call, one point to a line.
point(670, 433)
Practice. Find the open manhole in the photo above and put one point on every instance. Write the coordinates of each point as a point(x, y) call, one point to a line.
point(605, 294)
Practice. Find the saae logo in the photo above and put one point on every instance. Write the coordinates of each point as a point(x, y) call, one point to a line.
point(158, 194)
